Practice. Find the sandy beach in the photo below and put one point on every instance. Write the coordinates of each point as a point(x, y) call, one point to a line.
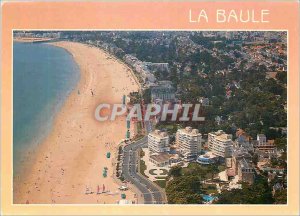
point(73, 155)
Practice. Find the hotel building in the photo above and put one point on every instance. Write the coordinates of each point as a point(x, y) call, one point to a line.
point(220, 143)
point(189, 142)
point(158, 142)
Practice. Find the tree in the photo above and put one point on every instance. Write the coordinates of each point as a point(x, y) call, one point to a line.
point(255, 159)
point(258, 193)
point(175, 171)
point(213, 169)
point(184, 190)
point(281, 143)
point(280, 197)
point(282, 77)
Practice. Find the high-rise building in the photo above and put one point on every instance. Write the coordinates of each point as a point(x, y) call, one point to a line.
point(189, 143)
point(158, 142)
point(220, 143)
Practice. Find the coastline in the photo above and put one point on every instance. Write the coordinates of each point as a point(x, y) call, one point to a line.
point(73, 154)
point(31, 40)
point(43, 113)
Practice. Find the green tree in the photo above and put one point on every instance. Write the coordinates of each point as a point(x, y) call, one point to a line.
point(184, 190)
point(280, 197)
point(175, 171)
point(258, 193)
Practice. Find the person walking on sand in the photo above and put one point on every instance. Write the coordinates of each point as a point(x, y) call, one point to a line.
point(92, 92)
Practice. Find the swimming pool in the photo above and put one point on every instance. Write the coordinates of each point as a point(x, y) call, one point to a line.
point(208, 198)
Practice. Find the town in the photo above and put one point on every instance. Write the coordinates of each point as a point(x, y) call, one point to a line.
point(238, 153)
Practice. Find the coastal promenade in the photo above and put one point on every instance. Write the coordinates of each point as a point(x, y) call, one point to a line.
point(150, 192)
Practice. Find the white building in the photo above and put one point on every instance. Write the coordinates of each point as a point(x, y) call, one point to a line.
point(189, 143)
point(220, 143)
point(158, 142)
point(160, 159)
point(261, 139)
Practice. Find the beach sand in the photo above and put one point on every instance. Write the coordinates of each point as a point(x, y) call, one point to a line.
point(73, 155)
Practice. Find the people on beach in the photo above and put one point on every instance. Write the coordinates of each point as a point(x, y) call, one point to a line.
point(75, 139)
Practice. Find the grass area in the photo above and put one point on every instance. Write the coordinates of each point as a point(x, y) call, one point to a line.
point(164, 171)
point(194, 168)
point(161, 183)
point(143, 167)
point(221, 168)
point(209, 189)
point(160, 178)
point(142, 153)
point(152, 172)
point(139, 132)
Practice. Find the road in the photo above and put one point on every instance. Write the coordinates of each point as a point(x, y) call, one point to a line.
point(148, 189)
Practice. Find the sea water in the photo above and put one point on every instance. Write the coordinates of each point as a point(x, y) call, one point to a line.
point(43, 77)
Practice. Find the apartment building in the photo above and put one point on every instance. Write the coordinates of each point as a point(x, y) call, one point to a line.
point(189, 143)
point(220, 143)
point(158, 142)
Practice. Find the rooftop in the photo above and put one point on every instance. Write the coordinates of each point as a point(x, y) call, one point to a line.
point(159, 134)
point(244, 163)
point(190, 131)
point(160, 157)
point(208, 155)
point(221, 135)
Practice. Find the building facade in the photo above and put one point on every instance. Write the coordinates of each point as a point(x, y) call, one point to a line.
point(262, 144)
point(158, 142)
point(189, 143)
point(160, 159)
point(238, 155)
point(220, 143)
point(207, 159)
point(245, 171)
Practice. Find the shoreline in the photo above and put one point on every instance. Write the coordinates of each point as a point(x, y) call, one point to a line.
point(32, 40)
point(72, 156)
point(31, 146)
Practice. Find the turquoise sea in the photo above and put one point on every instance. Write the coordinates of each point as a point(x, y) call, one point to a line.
point(43, 77)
